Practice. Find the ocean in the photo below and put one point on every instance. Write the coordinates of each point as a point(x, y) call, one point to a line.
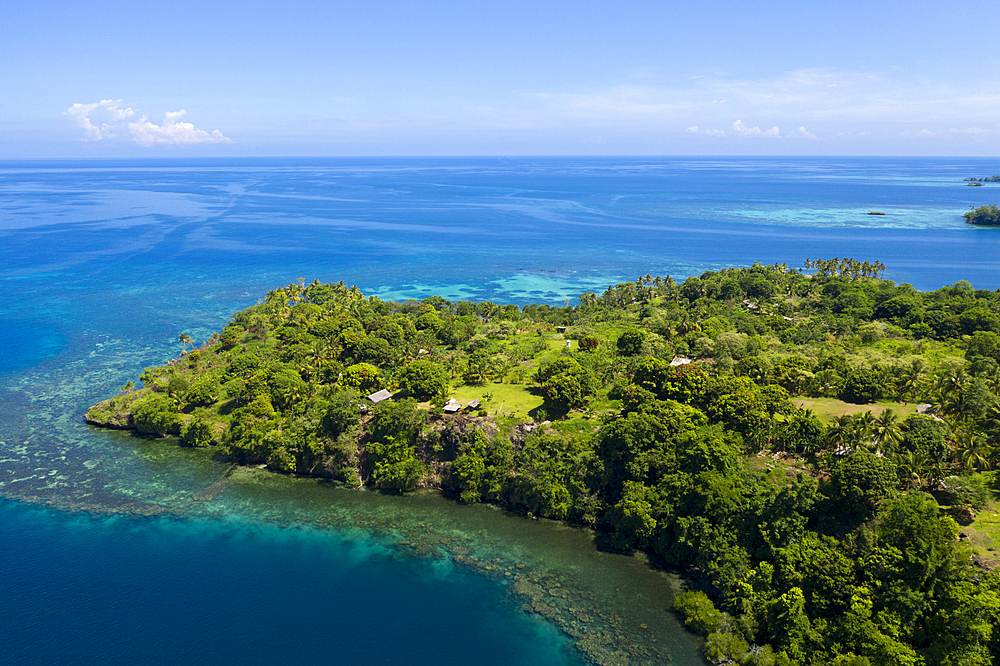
point(121, 550)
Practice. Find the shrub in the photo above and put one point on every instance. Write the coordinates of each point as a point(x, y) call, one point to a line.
point(630, 342)
point(423, 379)
point(342, 414)
point(230, 336)
point(362, 376)
point(155, 416)
point(395, 465)
point(699, 612)
point(203, 393)
point(178, 387)
point(198, 434)
point(863, 386)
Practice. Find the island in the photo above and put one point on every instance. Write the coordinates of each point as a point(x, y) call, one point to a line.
point(812, 448)
point(987, 179)
point(984, 216)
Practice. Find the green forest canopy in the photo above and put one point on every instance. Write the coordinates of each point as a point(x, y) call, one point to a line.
point(814, 537)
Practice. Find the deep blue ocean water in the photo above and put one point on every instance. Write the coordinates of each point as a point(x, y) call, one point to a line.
point(111, 551)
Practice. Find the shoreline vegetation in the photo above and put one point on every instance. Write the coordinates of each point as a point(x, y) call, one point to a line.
point(984, 216)
point(814, 449)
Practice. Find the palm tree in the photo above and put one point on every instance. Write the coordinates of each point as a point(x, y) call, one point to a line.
point(841, 433)
point(864, 428)
point(827, 382)
point(950, 381)
point(185, 340)
point(910, 380)
point(686, 325)
point(993, 383)
point(454, 364)
point(886, 431)
point(974, 452)
point(909, 467)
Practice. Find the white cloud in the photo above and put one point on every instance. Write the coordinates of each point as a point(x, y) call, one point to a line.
point(114, 124)
point(742, 130)
point(974, 131)
point(109, 108)
point(146, 133)
point(707, 132)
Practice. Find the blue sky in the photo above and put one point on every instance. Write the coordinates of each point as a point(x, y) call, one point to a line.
point(499, 78)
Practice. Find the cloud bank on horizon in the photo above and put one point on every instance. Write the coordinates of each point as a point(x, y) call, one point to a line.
point(115, 124)
point(741, 129)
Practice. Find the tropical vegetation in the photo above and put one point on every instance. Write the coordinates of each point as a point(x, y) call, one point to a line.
point(672, 422)
point(985, 216)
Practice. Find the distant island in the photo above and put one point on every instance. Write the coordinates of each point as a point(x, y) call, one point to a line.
point(985, 216)
point(987, 179)
point(804, 444)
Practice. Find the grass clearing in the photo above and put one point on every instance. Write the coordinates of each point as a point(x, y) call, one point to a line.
point(828, 409)
point(514, 399)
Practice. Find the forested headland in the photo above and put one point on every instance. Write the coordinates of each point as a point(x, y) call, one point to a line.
point(813, 448)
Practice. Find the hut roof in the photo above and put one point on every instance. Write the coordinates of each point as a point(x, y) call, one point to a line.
point(379, 396)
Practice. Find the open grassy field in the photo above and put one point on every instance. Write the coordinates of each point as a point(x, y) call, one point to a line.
point(828, 409)
point(516, 399)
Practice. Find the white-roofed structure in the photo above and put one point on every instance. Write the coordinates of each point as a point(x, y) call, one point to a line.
point(379, 396)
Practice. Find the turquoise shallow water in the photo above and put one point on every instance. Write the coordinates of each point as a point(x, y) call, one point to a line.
point(117, 547)
point(122, 590)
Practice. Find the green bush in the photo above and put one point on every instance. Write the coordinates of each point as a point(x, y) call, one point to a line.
point(155, 415)
point(342, 413)
point(863, 386)
point(230, 336)
point(699, 613)
point(203, 393)
point(198, 434)
point(395, 467)
point(178, 387)
point(423, 379)
point(630, 341)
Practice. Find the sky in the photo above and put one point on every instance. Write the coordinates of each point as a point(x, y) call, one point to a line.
point(518, 77)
